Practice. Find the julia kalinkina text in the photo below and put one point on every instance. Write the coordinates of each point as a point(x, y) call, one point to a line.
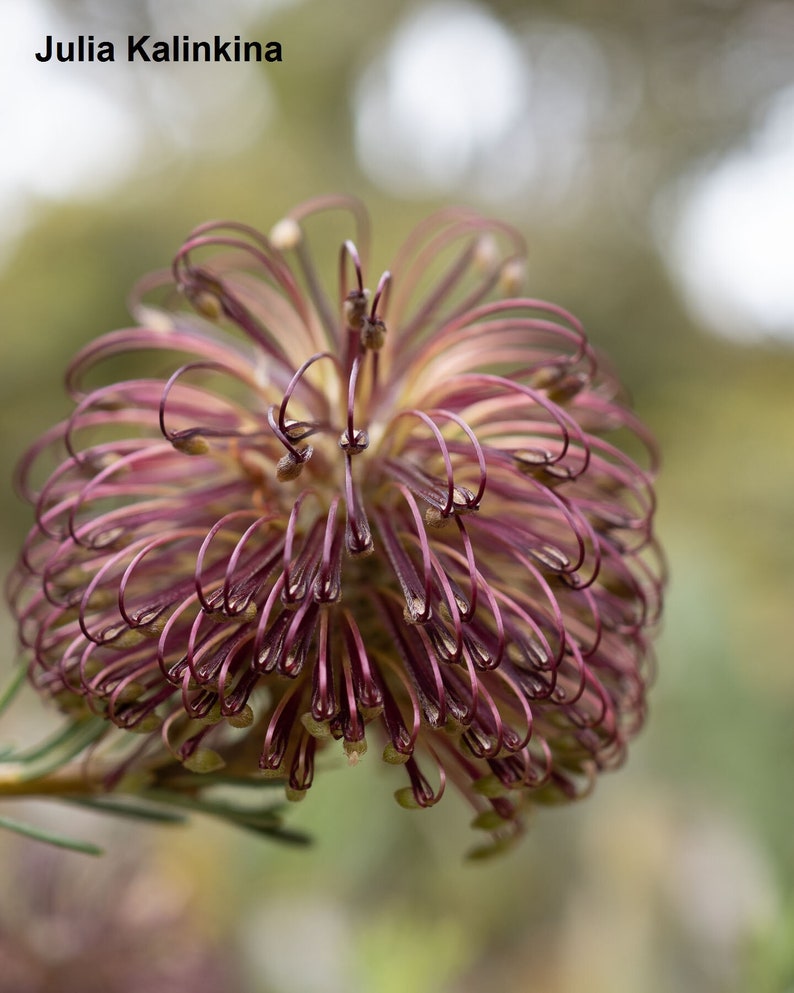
point(144, 48)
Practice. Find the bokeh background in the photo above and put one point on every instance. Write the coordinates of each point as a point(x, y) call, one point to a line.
point(647, 153)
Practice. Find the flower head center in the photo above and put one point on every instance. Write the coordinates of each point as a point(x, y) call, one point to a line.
point(320, 443)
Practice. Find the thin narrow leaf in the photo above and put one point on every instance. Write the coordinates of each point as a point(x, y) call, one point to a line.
point(123, 808)
point(177, 781)
point(13, 688)
point(49, 837)
point(287, 835)
point(76, 737)
point(262, 821)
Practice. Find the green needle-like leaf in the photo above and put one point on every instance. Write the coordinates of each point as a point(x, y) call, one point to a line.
point(13, 688)
point(49, 837)
point(125, 808)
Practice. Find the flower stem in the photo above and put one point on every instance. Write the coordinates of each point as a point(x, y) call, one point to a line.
point(15, 781)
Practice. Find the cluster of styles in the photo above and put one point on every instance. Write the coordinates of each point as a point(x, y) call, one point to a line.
point(385, 514)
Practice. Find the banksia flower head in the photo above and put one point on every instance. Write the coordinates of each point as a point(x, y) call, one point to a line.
point(387, 514)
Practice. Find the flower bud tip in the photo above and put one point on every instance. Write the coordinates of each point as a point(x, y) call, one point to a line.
point(204, 760)
point(285, 234)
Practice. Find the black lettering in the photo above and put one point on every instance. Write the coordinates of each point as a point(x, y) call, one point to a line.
point(221, 50)
point(273, 52)
point(161, 52)
point(253, 47)
point(47, 54)
point(135, 48)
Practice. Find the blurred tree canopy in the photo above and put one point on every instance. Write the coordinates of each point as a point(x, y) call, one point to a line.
point(685, 81)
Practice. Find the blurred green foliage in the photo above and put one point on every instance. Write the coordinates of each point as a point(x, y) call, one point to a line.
point(679, 872)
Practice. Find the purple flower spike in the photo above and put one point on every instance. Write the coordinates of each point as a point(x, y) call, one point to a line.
point(386, 516)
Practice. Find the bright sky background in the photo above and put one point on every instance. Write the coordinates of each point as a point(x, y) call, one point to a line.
point(60, 134)
point(732, 249)
point(78, 129)
point(438, 104)
point(437, 112)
